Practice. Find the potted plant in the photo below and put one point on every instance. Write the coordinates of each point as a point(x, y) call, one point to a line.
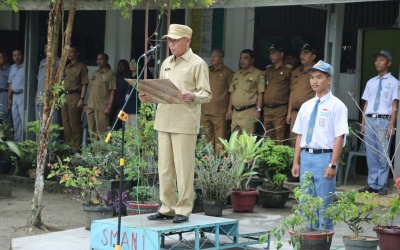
point(145, 200)
point(301, 223)
point(356, 215)
point(213, 178)
point(7, 148)
point(274, 161)
point(242, 153)
point(387, 232)
point(84, 181)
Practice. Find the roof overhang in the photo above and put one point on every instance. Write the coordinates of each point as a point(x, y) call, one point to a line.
point(107, 4)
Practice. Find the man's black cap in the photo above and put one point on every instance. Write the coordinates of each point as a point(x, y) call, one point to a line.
point(276, 46)
point(308, 48)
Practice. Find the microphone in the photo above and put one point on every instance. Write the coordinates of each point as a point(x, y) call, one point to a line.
point(152, 50)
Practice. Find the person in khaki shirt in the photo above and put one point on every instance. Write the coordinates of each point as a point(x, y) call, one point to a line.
point(75, 83)
point(101, 96)
point(179, 124)
point(246, 90)
point(300, 88)
point(276, 95)
point(213, 114)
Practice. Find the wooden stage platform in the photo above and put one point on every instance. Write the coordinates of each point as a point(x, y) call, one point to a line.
point(200, 232)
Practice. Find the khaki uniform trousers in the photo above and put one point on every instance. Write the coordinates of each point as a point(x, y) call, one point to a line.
point(215, 127)
point(176, 162)
point(275, 123)
point(243, 121)
point(71, 121)
point(98, 122)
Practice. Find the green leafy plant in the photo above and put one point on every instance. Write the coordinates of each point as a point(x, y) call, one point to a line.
point(304, 216)
point(274, 161)
point(242, 152)
point(212, 173)
point(145, 194)
point(82, 179)
point(354, 214)
point(6, 145)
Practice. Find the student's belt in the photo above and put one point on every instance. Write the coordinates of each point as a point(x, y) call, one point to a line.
point(318, 151)
point(18, 92)
point(378, 116)
point(3, 89)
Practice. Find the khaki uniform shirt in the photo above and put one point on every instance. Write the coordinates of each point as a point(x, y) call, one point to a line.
point(188, 72)
point(246, 86)
point(76, 75)
point(300, 88)
point(220, 79)
point(277, 84)
point(100, 86)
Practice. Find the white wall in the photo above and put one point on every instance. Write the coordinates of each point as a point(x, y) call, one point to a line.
point(239, 33)
point(118, 35)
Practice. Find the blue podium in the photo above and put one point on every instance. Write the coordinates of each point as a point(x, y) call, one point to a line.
point(200, 232)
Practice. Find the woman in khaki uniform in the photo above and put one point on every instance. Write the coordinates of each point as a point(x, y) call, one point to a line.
point(246, 90)
point(102, 86)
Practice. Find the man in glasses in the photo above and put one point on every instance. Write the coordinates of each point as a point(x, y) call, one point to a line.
point(178, 125)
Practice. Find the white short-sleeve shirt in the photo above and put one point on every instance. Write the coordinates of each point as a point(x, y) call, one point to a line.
point(330, 122)
point(389, 93)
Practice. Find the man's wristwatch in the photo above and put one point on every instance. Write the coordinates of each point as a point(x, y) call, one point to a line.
point(331, 165)
point(258, 109)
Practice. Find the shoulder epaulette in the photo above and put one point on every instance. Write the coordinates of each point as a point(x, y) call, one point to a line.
point(288, 66)
point(269, 66)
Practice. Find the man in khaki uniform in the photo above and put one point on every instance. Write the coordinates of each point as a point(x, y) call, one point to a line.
point(213, 114)
point(300, 88)
point(75, 83)
point(179, 124)
point(246, 90)
point(101, 96)
point(276, 95)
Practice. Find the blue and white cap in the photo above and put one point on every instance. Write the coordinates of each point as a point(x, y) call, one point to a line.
point(322, 66)
point(384, 53)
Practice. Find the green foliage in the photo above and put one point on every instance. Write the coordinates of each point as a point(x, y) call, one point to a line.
point(212, 172)
point(142, 144)
point(6, 145)
point(346, 209)
point(12, 4)
point(83, 179)
point(127, 5)
point(304, 216)
point(273, 163)
point(242, 153)
point(143, 194)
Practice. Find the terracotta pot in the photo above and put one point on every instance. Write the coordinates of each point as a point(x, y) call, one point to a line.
point(361, 243)
point(389, 237)
point(244, 201)
point(141, 208)
point(318, 239)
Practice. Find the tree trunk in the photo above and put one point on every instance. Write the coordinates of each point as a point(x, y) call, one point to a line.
point(51, 98)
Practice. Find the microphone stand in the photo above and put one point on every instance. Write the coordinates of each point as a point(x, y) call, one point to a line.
point(124, 117)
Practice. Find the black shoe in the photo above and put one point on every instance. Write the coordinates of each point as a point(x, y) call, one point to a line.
point(178, 218)
point(382, 191)
point(368, 189)
point(159, 216)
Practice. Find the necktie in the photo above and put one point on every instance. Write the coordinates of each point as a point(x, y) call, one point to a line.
point(378, 95)
point(311, 123)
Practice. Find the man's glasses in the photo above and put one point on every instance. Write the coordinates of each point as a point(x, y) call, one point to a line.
point(173, 41)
